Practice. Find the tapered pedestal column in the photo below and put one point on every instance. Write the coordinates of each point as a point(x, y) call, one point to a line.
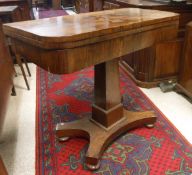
point(109, 119)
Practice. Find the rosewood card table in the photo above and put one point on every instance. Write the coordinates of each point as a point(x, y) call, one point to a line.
point(66, 44)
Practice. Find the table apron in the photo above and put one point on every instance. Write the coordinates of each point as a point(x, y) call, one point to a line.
point(63, 61)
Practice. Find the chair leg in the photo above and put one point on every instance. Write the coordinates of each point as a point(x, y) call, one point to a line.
point(26, 64)
point(13, 93)
point(36, 4)
point(18, 58)
point(15, 71)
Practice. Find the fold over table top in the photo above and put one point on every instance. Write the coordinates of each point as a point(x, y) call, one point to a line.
point(50, 32)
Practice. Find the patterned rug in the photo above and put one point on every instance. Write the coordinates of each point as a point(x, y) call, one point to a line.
point(142, 151)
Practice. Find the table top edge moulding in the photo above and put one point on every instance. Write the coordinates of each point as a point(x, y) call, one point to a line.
point(85, 26)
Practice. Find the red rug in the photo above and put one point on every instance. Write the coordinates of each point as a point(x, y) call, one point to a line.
point(157, 151)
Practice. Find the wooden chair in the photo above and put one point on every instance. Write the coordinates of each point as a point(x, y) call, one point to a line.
point(18, 60)
point(12, 14)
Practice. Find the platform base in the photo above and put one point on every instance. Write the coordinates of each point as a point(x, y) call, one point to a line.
point(101, 137)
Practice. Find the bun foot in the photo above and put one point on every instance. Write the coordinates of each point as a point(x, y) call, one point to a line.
point(150, 125)
point(63, 139)
point(98, 136)
point(93, 167)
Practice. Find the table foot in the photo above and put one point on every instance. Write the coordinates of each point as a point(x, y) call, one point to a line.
point(93, 167)
point(63, 139)
point(101, 137)
point(150, 125)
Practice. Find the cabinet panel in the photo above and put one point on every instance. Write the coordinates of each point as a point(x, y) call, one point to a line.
point(167, 59)
point(140, 63)
point(185, 76)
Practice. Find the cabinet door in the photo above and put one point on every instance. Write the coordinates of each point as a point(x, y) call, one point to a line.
point(140, 64)
point(167, 59)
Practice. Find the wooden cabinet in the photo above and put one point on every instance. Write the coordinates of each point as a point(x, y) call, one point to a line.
point(150, 66)
point(185, 76)
point(167, 60)
point(153, 65)
point(10, 14)
point(6, 70)
point(23, 7)
point(83, 6)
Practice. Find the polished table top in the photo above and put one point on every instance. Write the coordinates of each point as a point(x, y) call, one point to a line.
point(84, 26)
